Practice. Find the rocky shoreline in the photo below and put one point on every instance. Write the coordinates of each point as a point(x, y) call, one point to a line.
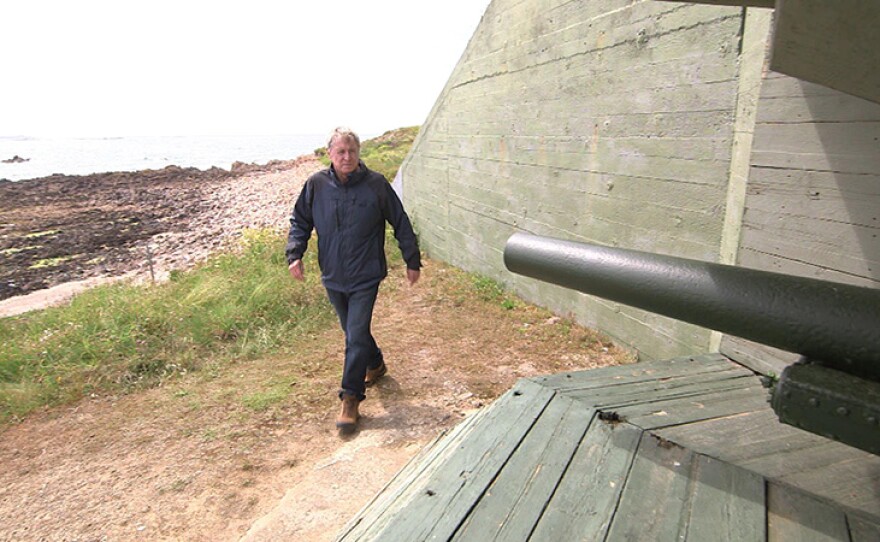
point(60, 228)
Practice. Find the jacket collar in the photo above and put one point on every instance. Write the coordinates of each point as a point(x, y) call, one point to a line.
point(355, 175)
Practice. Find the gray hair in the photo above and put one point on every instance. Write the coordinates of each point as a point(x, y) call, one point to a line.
point(343, 133)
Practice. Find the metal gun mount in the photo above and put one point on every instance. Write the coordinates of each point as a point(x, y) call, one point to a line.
point(833, 391)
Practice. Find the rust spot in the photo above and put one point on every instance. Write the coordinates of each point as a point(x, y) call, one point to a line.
point(665, 444)
point(611, 417)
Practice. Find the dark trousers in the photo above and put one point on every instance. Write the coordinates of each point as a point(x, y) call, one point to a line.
point(355, 311)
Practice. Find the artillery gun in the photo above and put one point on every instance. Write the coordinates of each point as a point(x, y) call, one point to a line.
point(833, 390)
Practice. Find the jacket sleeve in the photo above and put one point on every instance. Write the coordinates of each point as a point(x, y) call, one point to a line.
point(403, 230)
point(301, 224)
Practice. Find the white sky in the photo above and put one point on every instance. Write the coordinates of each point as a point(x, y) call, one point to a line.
point(193, 67)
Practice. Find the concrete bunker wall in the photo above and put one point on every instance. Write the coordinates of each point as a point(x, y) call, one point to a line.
point(631, 123)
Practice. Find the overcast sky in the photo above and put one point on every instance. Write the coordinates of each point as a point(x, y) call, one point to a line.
point(192, 67)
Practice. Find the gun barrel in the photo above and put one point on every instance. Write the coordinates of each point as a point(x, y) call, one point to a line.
point(835, 324)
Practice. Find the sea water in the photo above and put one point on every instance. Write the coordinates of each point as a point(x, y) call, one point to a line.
point(83, 156)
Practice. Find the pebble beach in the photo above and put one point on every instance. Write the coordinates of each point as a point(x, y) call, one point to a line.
point(80, 230)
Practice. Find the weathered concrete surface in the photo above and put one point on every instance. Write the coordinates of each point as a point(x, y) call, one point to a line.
point(833, 44)
point(813, 202)
point(606, 121)
point(648, 125)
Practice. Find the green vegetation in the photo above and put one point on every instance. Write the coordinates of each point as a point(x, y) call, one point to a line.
point(11, 251)
point(491, 291)
point(123, 336)
point(385, 153)
point(240, 304)
point(51, 262)
point(38, 234)
point(262, 400)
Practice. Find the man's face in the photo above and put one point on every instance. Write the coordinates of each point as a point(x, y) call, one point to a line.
point(344, 155)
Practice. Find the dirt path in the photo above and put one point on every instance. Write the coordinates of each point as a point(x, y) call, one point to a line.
point(188, 461)
point(202, 459)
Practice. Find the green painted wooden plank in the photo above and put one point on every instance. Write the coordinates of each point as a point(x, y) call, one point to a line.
point(862, 530)
point(513, 503)
point(440, 502)
point(662, 382)
point(758, 442)
point(738, 438)
point(670, 382)
point(757, 357)
point(683, 410)
point(852, 481)
point(409, 482)
point(647, 392)
point(794, 515)
point(727, 503)
point(819, 454)
point(368, 514)
point(389, 500)
point(635, 372)
point(655, 500)
point(584, 502)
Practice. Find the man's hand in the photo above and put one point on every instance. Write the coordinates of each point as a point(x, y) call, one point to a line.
point(296, 269)
point(412, 275)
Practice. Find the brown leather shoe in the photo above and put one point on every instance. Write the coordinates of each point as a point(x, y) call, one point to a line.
point(375, 374)
point(348, 417)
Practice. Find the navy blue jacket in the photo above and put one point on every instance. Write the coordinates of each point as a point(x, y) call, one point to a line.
point(350, 221)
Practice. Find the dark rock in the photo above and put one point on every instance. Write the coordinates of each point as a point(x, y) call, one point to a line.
point(103, 219)
point(16, 160)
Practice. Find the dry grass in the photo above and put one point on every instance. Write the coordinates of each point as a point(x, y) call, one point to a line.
point(204, 455)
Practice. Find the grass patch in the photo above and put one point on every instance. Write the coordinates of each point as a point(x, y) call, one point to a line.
point(493, 292)
point(11, 251)
point(239, 304)
point(263, 400)
point(50, 262)
point(38, 234)
point(463, 289)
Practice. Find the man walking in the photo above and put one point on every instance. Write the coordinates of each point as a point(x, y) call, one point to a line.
point(348, 205)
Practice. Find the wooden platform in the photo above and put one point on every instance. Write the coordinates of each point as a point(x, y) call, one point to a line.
point(683, 449)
